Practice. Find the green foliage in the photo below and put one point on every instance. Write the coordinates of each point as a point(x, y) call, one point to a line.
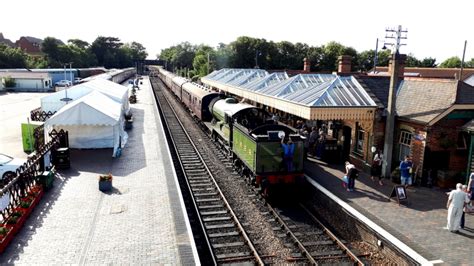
point(9, 82)
point(428, 62)
point(451, 62)
point(12, 57)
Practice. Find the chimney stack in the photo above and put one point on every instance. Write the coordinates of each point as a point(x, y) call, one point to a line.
point(306, 65)
point(344, 64)
point(401, 65)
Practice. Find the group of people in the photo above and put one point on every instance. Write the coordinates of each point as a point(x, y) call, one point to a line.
point(406, 169)
point(314, 138)
point(458, 202)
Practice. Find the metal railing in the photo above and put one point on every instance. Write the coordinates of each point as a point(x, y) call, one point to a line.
point(15, 186)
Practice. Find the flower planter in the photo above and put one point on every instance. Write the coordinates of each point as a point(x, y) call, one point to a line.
point(6, 238)
point(105, 185)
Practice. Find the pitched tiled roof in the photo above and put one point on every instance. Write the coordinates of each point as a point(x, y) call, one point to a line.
point(6, 41)
point(465, 94)
point(422, 100)
point(376, 87)
point(427, 72)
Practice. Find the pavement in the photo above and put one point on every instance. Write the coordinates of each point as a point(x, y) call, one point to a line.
point(141, 221)
point(15, 108)
point(417, 222)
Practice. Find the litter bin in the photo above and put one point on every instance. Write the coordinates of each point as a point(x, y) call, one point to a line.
point(61, 158)
point(46, 179)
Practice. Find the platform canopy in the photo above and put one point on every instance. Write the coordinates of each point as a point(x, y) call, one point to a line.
point(54, 102)
point(93, 121)
point(310, 96)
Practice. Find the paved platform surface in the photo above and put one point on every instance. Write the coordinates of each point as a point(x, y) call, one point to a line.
point(140, 221)
point(418, 223)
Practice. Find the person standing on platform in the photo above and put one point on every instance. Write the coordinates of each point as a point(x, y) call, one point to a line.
point(351, 173)
point(313, 140)
point(464, 189)
point(457, 199)
point(470, 186)
point(376, 168)
point(405, 169)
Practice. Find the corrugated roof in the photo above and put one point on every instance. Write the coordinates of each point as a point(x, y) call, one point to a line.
point(25, 75)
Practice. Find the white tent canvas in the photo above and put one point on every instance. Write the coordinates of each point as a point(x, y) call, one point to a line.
point(93, 121)
point(116, 92)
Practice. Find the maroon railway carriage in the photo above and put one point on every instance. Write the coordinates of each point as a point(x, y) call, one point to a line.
point(197, 98)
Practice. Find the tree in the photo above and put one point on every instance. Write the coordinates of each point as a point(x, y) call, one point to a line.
point(451, 62)
point(365, 60)
point(105, 50)
point(179, 56)
point(12, 57)
point(79, 43)
point(203, 61)
point(428, 62)
point(223, 54)
point(470, 64)
point(412, 61)
point(331, 52)
point(50, 47)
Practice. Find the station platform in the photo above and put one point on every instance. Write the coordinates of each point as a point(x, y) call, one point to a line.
point(415, 227)
point(141, 221)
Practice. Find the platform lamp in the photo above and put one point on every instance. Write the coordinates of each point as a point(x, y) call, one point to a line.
point(376, 55)
point(67, 99)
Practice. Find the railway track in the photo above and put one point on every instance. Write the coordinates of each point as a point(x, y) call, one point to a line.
point(224, 235)
point(307, 238)
point(315, 242)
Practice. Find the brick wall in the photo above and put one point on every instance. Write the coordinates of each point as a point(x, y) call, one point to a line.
point(27, 46)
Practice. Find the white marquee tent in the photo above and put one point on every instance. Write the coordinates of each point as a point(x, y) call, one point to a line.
point(116, 92)
point(93, 121)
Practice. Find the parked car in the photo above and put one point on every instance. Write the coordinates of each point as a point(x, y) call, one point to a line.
point(8, 165)
point(63, 83)
point(77, 80)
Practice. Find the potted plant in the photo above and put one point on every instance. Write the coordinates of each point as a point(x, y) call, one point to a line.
point(6, 236)
point(105, 182)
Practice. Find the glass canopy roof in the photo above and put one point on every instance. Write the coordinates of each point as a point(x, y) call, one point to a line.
point(324, 90)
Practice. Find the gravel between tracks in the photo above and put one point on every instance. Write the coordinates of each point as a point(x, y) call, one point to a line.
point(237, 193)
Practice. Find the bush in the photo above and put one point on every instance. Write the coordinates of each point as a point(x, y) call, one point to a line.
point(9, 82)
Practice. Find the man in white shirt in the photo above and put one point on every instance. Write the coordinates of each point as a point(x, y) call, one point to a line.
point(457, 199)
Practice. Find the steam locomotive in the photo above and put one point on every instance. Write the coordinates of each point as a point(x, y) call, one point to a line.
point(268, 153)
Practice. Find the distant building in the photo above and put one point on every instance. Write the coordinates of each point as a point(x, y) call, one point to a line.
point(6, 41)
point(28, 81)
point(30, 45)
point(431, 73)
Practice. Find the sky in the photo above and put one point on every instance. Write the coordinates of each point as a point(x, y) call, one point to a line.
point(435, 28)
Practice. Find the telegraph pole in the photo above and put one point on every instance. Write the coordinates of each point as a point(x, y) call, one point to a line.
point(390, 120)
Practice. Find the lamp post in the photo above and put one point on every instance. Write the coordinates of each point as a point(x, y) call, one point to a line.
point(70, 72)
point(67, 99)
point(257, 53)
point(390, 120)
point(376, 55)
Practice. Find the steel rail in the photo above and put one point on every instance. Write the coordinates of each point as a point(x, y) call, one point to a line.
point(234, 216)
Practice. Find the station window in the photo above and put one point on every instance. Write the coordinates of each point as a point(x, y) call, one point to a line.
point(462, 140)
point(359, 147)
point(404, 144)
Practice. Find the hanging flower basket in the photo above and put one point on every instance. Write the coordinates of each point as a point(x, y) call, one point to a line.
point(105, 182)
